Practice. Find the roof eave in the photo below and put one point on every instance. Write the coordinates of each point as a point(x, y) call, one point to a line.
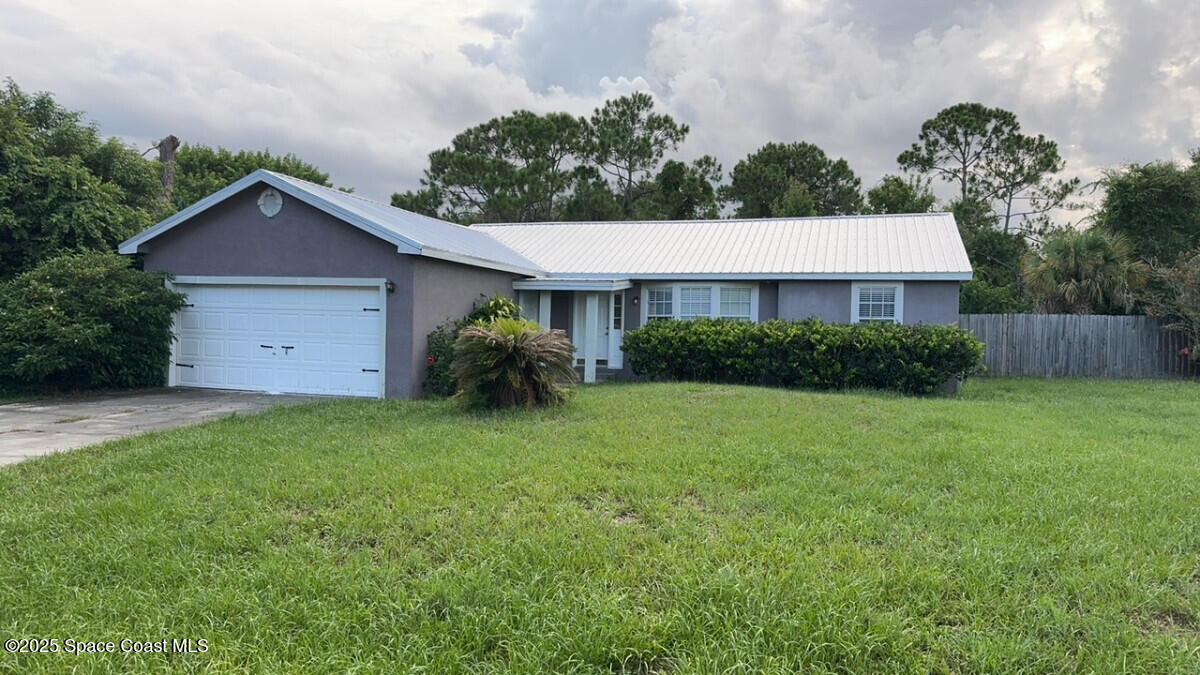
point(754, 276)
point(450, 256)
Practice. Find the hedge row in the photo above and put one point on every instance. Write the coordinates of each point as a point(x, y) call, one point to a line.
point(808, 354)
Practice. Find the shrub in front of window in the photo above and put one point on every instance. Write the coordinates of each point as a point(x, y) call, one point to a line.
point(86, 320)
point(512, 362)
point(807, 354)
point(439, 380)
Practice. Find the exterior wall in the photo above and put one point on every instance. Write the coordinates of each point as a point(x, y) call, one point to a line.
point(444, 290)
point(828, 301)
point(924, 301)
point(931, 302)
point(633, 307)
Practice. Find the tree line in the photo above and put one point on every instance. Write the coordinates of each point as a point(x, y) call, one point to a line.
point(63, 186)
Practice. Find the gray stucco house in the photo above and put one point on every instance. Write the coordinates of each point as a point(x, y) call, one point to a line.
point(299, 288)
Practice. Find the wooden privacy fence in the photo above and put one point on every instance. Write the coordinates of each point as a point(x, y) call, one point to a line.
point(1078, 345)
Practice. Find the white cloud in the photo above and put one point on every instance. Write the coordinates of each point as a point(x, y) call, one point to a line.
point(367, 91)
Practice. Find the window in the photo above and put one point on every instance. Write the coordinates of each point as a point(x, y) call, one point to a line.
point(691, 300)
point(618, 309)
point(659, 303)
point(878, 302)
point(735, 302)
point(695, 301)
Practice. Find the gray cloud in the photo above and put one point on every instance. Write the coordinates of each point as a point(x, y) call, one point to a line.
point(368, 92)
point(573, 44)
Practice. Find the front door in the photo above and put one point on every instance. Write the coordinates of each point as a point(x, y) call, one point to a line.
point(616, 330)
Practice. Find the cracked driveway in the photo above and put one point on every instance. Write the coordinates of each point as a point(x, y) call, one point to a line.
point(34, 428)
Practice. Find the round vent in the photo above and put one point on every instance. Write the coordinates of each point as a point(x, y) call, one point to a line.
point(269, 202)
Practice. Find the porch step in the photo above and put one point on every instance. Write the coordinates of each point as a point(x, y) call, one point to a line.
point(602, 374)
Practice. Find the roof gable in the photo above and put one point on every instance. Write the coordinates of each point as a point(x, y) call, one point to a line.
point(411, 233)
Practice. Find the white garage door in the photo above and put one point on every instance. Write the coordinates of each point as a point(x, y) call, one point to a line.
point(305, 339)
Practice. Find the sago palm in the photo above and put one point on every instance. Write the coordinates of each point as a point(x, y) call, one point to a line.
point(1078, 272)
point(512, 362)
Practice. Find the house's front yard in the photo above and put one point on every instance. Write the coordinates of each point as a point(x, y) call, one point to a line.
point(1027, 525)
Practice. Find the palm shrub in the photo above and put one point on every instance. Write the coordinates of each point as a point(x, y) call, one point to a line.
point(513, 362)
point(1083, 272)
point(439, 378)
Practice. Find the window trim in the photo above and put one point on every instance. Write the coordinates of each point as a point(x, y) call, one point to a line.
point(714, 298)
point(855, 317)
point(719, 301)
point(647, 316)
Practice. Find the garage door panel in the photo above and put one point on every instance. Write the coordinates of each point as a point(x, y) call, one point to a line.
point(237, 348)
point(333, 340)
point(189, 377)
point(237, 322)
point(189, 347)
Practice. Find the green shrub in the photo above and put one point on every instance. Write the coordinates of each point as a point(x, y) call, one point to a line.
point(512, 362)
point(86, 320)
point(808, 354)
point(439, 378)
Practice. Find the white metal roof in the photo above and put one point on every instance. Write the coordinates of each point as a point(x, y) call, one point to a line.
point(918, 246)
point(410, 232)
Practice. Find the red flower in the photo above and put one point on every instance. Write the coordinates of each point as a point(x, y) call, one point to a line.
point(1186, 351)
point(431, 360)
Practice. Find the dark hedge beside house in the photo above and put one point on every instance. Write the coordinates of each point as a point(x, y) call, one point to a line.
point(84, 321)
point(808, 354)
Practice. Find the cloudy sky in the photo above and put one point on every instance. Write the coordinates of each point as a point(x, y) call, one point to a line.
point(366, 89)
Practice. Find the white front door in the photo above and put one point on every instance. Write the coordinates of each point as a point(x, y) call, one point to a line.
point(616, 330)
point(306, 339)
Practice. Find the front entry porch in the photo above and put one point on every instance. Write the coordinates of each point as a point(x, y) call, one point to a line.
point(595, 319)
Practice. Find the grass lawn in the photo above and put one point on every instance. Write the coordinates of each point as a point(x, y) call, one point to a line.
point(1040, 526)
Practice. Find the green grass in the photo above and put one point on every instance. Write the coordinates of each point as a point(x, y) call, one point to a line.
point(1035, 526)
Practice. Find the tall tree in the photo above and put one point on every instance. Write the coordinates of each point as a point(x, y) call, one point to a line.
point(683, 192)
point(797, 202)
point(996, 258)
point(894, 194)
point(62, 186)
point(513, 168)
point(201, 170)
point(1155, 206)
point(764, 176)
point(957, 143)
point(591, 197)
point(627, 140)
point(1084, 272)
point(982, 152)
point(1018, 176)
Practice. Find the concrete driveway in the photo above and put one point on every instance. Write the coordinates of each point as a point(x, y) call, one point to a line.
point(34, 428)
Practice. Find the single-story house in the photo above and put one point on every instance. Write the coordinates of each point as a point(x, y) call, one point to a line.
point(299, 288)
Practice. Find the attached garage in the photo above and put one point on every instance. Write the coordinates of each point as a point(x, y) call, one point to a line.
point(302, 336)
point(299, 288)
